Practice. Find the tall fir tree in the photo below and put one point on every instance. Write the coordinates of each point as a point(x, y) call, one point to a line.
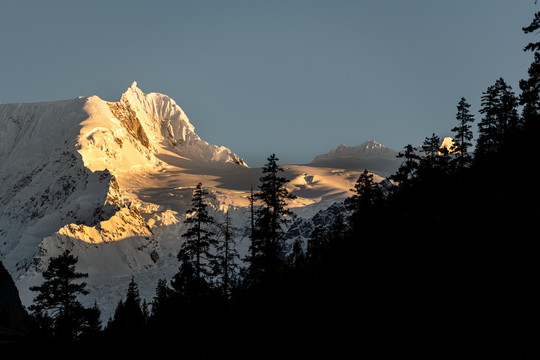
point(487, 128)
point(366, 195)
point(316, 244)
point(365, 191)
point(129, 317)
point(530, 96)
point(272, 215)
point(500, 118)
point(226, 257)
point(195, 255)
point(509, 119)
point(431, 148)
point(252, 230)
point(463, 134)
point(406, 172)
point(56, 303)
point(91, 325)
point(161, 303)
point(297, 257)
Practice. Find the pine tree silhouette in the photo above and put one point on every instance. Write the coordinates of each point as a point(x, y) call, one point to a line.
point(57, 297)
point(227, 257)
point(272, 215)
point(195, 256)
point(463, 134)
point(500, 117)
point(129, 319)
point(406, 172)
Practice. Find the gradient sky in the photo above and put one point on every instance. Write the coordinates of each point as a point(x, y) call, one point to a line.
point(295, 78)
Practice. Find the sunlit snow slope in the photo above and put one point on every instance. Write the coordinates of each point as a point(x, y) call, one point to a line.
point(111, 181)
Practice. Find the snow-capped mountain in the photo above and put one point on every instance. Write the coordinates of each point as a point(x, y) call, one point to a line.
point(111, 181)
point(69, 170)
point(368, 155)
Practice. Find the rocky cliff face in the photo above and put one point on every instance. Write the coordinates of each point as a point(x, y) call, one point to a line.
point(123, 111)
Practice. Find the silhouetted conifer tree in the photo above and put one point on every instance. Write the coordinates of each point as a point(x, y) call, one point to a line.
point(365, 191)
point(185, 282)
point(56, 304)
point(430, 148)
point(500, 117)
point(297, 256)
point(338, 229)
point(129, 316)
point(366, 195)
point(252, 230)
point(316, 244)
point(407, 170)
point(463, 134)
point(272, 216)
point(195, 253)
point(161, 302)
point(530, 96)
point(487, 128)
point(91, 324)
point(226, 257)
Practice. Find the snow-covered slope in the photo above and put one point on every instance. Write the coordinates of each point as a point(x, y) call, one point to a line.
point(111, 181)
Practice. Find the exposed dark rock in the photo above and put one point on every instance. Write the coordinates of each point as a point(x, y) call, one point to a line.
point(13, 316)
point(123, 111)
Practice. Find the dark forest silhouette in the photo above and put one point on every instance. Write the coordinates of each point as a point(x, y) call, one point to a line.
point(446, 263)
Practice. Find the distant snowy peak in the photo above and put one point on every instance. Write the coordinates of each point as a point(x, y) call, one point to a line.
point(369, 155)
point(367, 150)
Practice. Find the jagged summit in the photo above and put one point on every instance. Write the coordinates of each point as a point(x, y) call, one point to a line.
point(159, 106)
point(163, 127)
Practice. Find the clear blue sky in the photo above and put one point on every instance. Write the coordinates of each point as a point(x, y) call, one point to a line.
point(295, 78)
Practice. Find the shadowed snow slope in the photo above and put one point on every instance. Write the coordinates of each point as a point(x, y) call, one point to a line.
point(111, 181)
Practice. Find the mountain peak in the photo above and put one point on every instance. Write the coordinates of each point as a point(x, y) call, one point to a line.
point(372, 144)
point(370, 155)
point(133, 89)
point(366, 150)
point(162, 126)
point(447, 143)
